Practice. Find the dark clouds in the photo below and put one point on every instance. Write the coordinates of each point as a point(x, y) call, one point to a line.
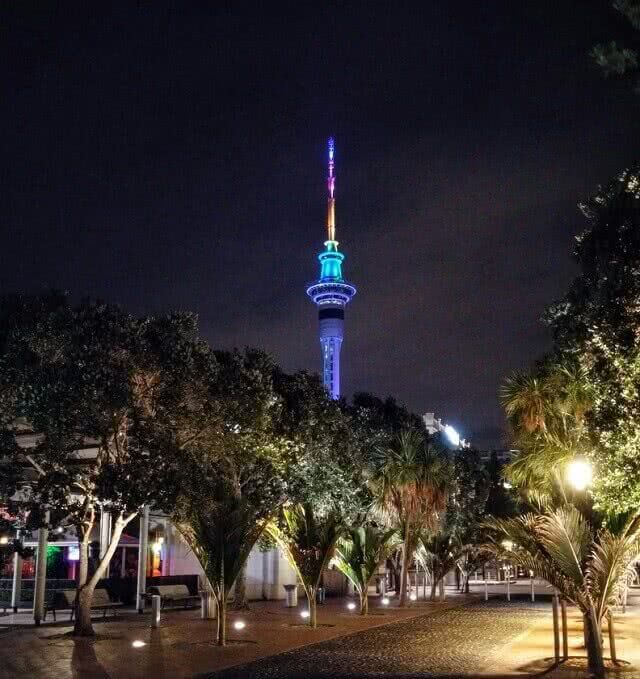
point(171, 155)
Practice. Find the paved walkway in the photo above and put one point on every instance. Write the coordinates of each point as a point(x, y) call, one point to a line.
point(444, 643)
point(462, 637)
point(183, 646)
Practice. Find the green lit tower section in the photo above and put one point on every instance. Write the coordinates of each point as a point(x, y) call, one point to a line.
point(331, 293)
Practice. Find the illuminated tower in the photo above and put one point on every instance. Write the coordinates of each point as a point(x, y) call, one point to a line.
point(331, 293)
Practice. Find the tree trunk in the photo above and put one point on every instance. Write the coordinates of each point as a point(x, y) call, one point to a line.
point(434, 584)
point(364, 602)
point(594, 644)
point(240, 590)
point(83, 564)
point(406, 556)
point(311, 598)
point(84, 594)
point(221, 600)
point(442, 591)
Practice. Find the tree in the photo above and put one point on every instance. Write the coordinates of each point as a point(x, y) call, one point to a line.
point(468, 508)
point(438, 553)
point(587, 566)
point(91, 381)
point(500, 500)
point(596, 327)
point(327, 468)
point(411, 482)
point(547, 413)
point(615, 59)
point(308, 540)
point(359, 554)
point(231, 477)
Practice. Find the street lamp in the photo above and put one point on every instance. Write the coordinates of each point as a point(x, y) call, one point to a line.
point(579, 473)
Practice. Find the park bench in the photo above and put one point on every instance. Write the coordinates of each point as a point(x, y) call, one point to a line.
point(172, 594)
point(65, 599)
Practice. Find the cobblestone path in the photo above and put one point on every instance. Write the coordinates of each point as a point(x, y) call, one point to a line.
point(460, 641)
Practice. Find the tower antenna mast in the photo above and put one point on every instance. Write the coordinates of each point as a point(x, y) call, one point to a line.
point(331, 185)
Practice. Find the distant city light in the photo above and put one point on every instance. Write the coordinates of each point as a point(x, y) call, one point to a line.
point(507, 544)
point(239, 624)
point(579, 474)
point(507, 485)
point(452, 435)
point(138, 643)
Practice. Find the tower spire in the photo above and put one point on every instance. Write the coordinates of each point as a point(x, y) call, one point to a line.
point(331, 185)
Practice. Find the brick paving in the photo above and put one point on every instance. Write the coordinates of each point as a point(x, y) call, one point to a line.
point(461, 641)
point(183, 646)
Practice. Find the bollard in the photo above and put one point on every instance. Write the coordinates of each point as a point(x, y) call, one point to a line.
point(533, 589)
point(508, 587)
point(156, 602)
point(486, 589)
point(207, 605)
point(291, 600)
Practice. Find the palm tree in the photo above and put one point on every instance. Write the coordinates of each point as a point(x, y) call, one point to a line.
point(221, 530)
point(438, 554)
point(411, 481)
point(546, 411)
point(588, 567)
point(359, 554)
point(308, 542)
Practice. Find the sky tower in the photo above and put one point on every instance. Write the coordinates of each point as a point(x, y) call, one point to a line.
point(331, 293)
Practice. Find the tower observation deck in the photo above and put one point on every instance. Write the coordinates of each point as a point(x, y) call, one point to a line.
point(331, 292)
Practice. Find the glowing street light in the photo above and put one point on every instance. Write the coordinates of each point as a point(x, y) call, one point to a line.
point(579, 473)
point(452, 435)
point(507, 544)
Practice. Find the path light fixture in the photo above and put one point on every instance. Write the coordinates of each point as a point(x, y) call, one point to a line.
point(138, 643)
point(351, 606)
point(413, 597)
point(304, 614)
point(385, 601)
point(579, 473)
point(239, 624)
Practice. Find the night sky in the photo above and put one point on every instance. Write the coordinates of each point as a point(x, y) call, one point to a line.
point(172, 156)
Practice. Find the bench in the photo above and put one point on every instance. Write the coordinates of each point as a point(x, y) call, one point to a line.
point(172, 594)
point(65, 599)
